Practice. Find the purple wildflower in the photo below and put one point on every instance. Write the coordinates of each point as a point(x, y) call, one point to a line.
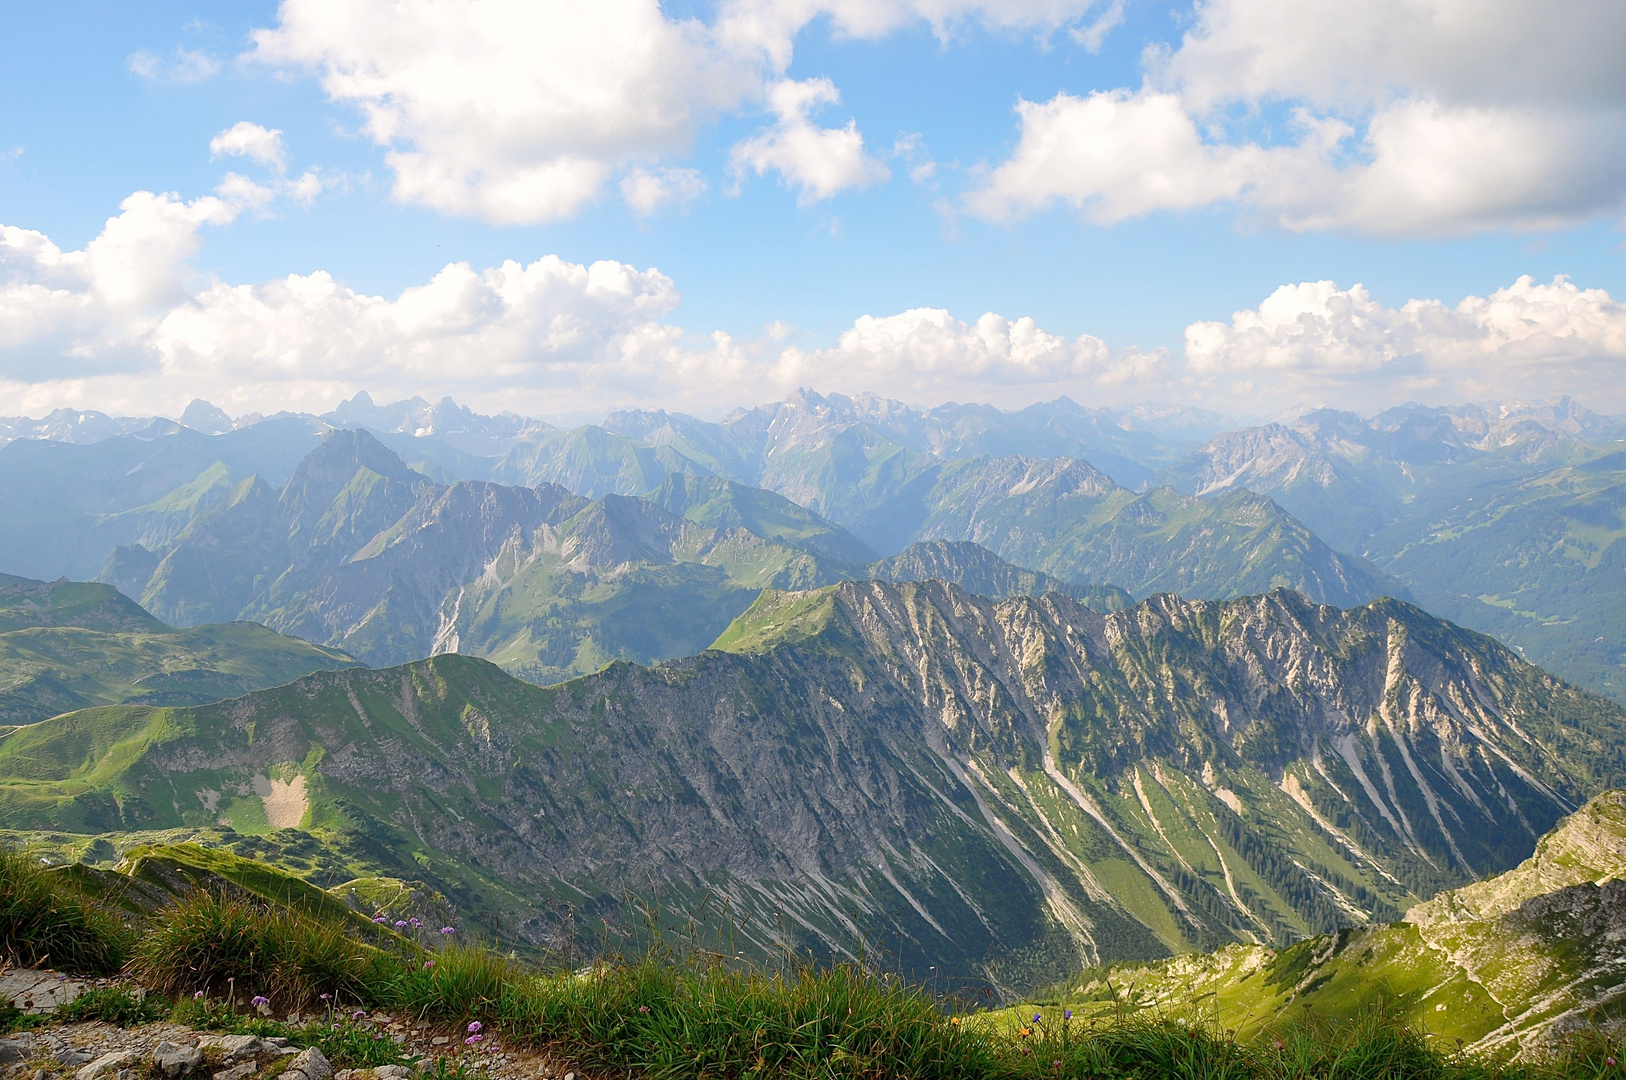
point(325, 997)
point(448, 930)
point(400, 922)
point(379, 919)
point(427, 964)
point(259, 999)
point(474, 1026)
point(1036, 1018)
point(472, 1039)
point(198, 996)
point(414, 921)
point(358, 1014)
point(1067, 1014)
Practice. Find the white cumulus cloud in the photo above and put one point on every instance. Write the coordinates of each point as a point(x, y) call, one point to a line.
point(266, 147)
point(127, 324)
point(250, 140)
point(818, 162)
point(1318, 341)
point(518, 111)
point(928, 354)
point(1406, 117)
point(65, 312)
point(512, 111)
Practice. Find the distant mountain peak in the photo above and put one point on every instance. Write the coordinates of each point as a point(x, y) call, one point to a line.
point(201, 416)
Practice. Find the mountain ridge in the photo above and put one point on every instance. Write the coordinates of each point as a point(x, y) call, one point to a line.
point(1519, 961)
point(1006, 792)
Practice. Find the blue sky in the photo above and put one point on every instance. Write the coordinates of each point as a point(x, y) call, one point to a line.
point(104, 100)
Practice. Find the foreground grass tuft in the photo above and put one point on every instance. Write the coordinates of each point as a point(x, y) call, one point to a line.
point(237, 947)
point(45, 922)
point(669, 1021)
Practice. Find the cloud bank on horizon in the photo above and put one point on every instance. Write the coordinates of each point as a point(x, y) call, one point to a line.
point(116, 326)
point(1395, 119)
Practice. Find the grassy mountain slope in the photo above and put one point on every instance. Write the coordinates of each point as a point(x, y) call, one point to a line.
point(68, 645)
point(1067, 519)
point(50, 670)
point(1008, 792)
point(977, 570)
point(1540, 563)
point(361, 553)
point(89, 605)
point(1524, 957)
point(621, 579)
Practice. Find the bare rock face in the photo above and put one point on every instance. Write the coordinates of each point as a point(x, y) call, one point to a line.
point(106, 1063)
point(174, 1060)
point(1588, 847)
point(309, 1065)
point(235, 1047)
point(37, 991)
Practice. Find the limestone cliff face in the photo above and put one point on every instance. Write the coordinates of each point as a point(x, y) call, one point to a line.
point(1518, 960)
point(1005, 792)
point(1588, 847)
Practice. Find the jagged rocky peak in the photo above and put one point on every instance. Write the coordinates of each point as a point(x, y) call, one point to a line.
point(1394, 733)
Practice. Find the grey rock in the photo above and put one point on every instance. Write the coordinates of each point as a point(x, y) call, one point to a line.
point(392, 1072)
point(11, 1052)
point(234, 1046)
point(310, 1064)
point(106, 1063)
point(238, 1072)
point(72, 1058)
point(35, 991)
point(174, 1060)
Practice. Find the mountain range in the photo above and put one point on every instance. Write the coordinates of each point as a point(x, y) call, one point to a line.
point(1003, 791)
point(1507, 520)
point(358, 551)
point(1500, 517)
